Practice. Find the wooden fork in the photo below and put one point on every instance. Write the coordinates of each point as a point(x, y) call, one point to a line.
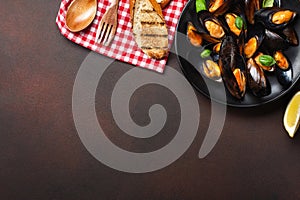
point(108, 24)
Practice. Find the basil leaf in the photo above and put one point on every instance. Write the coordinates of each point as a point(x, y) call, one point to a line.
point(200, 5)
point(267, 60)
point(205, 53)
point(267, 3)
point(239, 22)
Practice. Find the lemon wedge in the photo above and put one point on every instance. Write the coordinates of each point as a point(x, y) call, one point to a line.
point(291, 119)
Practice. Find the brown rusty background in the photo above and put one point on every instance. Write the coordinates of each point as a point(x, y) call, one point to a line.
point(42, 157)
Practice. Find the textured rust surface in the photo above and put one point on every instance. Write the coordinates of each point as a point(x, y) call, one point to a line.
point(42, 157)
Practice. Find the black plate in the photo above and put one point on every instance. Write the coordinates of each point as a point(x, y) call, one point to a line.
point(190, 60)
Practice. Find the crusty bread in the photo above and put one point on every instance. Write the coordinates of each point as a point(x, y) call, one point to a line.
point(149, 27)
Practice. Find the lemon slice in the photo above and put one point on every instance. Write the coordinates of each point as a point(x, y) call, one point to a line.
point(291, 119)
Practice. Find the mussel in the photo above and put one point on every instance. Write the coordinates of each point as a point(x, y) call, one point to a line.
point(273, 42)
point(251, 6)
point(215, 5)
point(231, 22)
point(252, 45)
point(211, 70)
point(290, 36)
point(219, 7)
point(211, 24)
point(284, 77)
point(217, 47)
point(281, 60)
point(256, 79)
point(193, 36)
point(196, 38)
point(215, 52)
point(213, 49)
point(264, 67)
point(274, 17)
point(255, 37)
point(232, 67)
point(284, 70)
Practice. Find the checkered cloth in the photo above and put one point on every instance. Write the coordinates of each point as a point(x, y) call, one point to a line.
point(123, 47)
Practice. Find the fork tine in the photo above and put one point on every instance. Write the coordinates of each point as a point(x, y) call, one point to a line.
point(103, 30)
point(107, 34)
point(111, 35)
point(99, 30)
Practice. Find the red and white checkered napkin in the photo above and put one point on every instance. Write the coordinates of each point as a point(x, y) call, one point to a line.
point(123, 47)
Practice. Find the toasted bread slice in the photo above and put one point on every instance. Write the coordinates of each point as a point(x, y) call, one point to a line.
point(149, 27)
point(162, 3)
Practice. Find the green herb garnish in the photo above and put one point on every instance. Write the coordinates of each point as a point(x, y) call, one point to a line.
point(239, 22)
point(267, 60)
point(200, 5)
point(267, 3)
point(205, 53)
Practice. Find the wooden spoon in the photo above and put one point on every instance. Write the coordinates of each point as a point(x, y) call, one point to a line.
point(80, 14)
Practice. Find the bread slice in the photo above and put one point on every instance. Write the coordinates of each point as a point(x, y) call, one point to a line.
point(149, 27)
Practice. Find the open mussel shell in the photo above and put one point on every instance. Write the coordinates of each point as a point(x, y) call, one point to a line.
point(219, 7)
point(235, 81)
point(256, 58)
point(283, 69)
point(193, 36)
point(257, 82)
point(214, 5)
point(211, 70)
point(206, 62)
point(232, 67)
point(231, 23)
point(197, 38)
point(215, 49)
point(211, 24)
point(274, 17)
point(282, 61)
point(252, 44)
point(241, 80)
